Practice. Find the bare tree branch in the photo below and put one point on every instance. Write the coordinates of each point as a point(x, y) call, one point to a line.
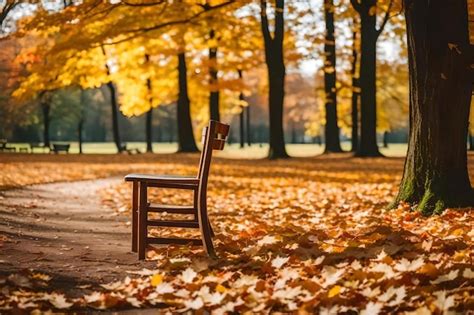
point(385, 18)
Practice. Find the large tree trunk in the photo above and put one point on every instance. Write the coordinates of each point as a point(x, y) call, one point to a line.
point(115, 123)
point(276, 77)
point(355, 94)
point(213, 81)
point(331, 128)
point(436, 175)
point(46, 108)
point(186, 142)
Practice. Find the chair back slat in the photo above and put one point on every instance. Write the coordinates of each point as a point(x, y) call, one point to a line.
point(213, 138)
point(218, 144)
point(222, 130)
point(204, 135)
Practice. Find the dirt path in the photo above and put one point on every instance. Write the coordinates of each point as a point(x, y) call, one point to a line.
point(62, 229)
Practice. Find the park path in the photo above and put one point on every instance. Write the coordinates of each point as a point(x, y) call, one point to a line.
point(64, 230)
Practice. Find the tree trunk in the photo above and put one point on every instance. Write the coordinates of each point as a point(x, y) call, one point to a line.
point(186, 142)
point(149, 113)
point(213, 81)
point(331, 128)
point(385, 139)
point(115, 123)
point(114, 106)
point(355, 94)
point(247, 125)
point(149, 131)
point(241, 115)
point(436, 175)
point(80, 127)
point(368, 134)
point(276, 77)
point(46, 108)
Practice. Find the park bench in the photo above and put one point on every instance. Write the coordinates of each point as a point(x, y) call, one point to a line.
point(58, 148)
point(4, 146)
point(213, 138)
point(124, 148)
point(36, 145)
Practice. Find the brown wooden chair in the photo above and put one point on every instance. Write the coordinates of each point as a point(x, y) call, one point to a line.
point(213, 138)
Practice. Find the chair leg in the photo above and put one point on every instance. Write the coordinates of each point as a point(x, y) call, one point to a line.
point(211, 229)
point(135, 189)
point(205, 228)
point(142, 224)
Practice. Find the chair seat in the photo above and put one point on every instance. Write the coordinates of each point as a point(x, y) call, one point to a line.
point(164, 179)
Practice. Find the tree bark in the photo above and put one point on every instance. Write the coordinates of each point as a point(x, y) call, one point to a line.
point(115, 122)
point(355, 94)
point(213, 81)
point(186, 142)
point(331, 128)
point(436, 175)
point(276, 77)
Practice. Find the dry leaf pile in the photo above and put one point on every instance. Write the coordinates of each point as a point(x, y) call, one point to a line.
point(293, 236)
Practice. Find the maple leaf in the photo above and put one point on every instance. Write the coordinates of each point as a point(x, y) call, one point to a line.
point(93, 297)
point(453, 274)
point(164, 288)
point(385, 269)
point(404, 265)
point(267, 240)
point(188, 275)
point(372, 309)
point(468, 273)
point(335, 290)
point(156, 279)
point(195, 304)
point(443, 302)
point(59, 301)
point(279, 262)
point(331, 275)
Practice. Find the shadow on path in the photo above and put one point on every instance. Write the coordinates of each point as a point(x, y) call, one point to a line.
point(62, 229)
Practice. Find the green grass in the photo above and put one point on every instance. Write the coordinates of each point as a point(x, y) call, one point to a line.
point(231, 151)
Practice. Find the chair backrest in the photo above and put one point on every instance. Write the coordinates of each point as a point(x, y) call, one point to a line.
point(214, 137)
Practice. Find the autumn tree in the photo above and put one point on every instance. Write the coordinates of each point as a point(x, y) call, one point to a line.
point(367, 10)
point(276, 76)
point(440, 54)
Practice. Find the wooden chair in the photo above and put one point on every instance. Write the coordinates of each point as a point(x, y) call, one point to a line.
point(213, 138)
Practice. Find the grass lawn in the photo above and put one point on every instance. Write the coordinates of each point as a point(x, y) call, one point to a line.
point(233, 150)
